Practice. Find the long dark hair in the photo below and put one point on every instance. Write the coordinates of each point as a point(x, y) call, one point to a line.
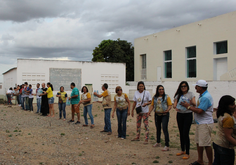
point(223, 106)
point(50, 85)
point(157, 93)
point(179, 91)
point(141, 82)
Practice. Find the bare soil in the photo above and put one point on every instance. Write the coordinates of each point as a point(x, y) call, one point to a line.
point(28, 138)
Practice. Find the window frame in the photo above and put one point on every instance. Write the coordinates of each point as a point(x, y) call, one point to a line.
point(189, 59)
point(167, 61)
point(215, 47)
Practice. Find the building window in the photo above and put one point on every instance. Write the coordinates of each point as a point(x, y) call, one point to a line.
point(221, 47)
point(168, 63)
point(143, 71)
point(0, 86)
point(191, 62)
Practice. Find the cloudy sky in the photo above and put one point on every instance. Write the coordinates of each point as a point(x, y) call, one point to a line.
point(71, 29)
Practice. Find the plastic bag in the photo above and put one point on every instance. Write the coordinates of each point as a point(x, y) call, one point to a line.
point(67, 102)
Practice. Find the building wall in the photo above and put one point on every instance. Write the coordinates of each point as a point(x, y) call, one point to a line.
point(1, 91)
point(203, 35)
point(216, 88)
point(95, 73)
point(9, 80)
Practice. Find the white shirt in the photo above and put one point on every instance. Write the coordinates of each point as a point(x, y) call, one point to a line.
point(138, 99)
point(10, 92)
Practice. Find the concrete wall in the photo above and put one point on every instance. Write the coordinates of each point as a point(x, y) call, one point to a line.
point(216, 88)
point(95, 73)
point(1, 91)
point(202, 34)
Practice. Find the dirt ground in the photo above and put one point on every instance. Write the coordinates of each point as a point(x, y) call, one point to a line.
point(28, 138)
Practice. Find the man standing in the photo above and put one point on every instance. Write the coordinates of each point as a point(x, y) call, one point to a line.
point(204, 120)
point(74, 99)
point(106, 103)
point(38, 92)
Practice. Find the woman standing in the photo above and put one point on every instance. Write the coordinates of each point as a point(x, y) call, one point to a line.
point(184, 116)
point(161, 103)
point(122, 108)
point(142, 99)
point(86, 101)
point(62, 96)
point(49, 93)
point(44, 103)
point(224, 141)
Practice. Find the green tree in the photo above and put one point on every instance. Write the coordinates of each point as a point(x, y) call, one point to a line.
point(116, 51)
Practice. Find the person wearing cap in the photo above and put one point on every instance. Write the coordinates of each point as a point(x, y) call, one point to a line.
point(204, 120)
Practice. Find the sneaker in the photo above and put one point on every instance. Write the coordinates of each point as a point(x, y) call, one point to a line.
point(71, 121)
point(166, 149)
point(78, 122)
point(122, 138)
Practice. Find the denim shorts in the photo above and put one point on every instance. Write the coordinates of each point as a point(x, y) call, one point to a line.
point(51, 100)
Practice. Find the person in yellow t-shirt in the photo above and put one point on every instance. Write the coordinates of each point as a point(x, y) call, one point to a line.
point(161, 104)
point(225, 141)
point(122, 108)
point(49, 93)
point(62, 97)
point(106, 103)
point(86, 101)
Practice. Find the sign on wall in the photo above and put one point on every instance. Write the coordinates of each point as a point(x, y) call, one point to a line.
point(63, 77)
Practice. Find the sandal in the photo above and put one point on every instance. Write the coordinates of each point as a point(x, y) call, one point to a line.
point(157, 145)
point(186, 156)
point(180, 153)
point(135, 139)
point(92, 126)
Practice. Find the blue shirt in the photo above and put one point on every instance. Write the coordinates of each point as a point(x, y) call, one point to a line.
point(205, 102)
point(75, 100)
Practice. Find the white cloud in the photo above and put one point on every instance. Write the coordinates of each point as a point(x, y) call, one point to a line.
point(71, 29)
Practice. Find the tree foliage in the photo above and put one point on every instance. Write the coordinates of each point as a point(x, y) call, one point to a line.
point(116, 51)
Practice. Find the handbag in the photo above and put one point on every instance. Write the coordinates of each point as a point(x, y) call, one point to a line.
point(139, 109)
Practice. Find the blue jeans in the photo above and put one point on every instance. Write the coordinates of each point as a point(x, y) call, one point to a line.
point(22, 102)
point(27, 103)
point(62, 107)
point(9, 99)
point(162, 120)
point(121, 118)
point(88, 109)
point(19, 99)
point(107, 120)
point(223, 155)
point(31, 104)
point(38, 105)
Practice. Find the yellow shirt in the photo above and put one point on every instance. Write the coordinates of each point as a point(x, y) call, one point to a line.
point(159, 106)
point(168, 100)
point(121, 102)
point(106, 103)
point(225, 121)
point(86, 96)
point(49, 92)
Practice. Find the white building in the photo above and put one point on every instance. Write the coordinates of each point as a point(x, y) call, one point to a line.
point(201, 50)
point(1, 91)
point(62, 73)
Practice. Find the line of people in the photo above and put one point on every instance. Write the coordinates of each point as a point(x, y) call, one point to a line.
point(184, 103)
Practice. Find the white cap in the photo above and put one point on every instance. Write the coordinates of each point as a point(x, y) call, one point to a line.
point(201, 83)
